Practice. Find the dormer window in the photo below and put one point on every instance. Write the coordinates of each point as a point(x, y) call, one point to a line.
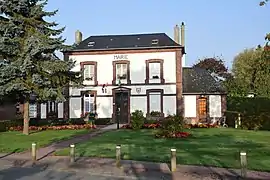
point(89, 71)
point(91, 44)
point(154, 41)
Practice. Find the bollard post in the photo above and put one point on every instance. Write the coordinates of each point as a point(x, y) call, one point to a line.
point(34, 152)
point(243, 162)
point(72, 153)
point(173, 160)
point(118, 155)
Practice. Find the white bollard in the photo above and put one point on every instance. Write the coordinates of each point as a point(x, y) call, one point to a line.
point(34, 152)
point(243, 162)
point(118, 155)
point(72, 153)
point(173, 160)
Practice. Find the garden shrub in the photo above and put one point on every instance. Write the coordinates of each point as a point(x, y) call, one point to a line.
point(170, 126)
point(137, 119)
point(255, 113)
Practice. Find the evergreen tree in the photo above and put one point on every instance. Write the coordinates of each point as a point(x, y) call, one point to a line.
point(27, 45)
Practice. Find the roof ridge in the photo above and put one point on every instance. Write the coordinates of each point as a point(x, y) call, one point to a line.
point(131, 34)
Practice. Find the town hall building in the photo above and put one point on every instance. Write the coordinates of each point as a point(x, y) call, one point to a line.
point(124, 73)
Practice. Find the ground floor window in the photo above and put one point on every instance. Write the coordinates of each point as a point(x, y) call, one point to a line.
point(155, 102)
point(32, 110)
point(89, 103)
point(52, 107)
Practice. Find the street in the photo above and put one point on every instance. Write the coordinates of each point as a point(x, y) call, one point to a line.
point(43, 173)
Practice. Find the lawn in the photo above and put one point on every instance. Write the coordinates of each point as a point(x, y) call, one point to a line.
point(15, 141)
point(213, 147)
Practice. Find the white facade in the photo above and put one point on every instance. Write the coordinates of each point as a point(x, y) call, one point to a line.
point(138, 96)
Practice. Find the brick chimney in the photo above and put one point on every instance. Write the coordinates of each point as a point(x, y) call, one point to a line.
point(183, 34)
point(78, 37)
point(176, 34)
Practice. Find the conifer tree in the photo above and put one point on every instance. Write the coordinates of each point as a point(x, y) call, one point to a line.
point(28, 44)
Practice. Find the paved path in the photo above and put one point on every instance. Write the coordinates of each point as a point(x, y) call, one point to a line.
point(48, 150)
point(55, 167)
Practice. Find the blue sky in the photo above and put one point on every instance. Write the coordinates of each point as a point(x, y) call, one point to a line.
point(213, 27)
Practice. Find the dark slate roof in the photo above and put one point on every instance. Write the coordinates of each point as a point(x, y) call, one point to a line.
point(131, 41)
point(200, 81)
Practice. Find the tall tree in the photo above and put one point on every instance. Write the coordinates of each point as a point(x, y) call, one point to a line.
point(213, 65)
point(252, 72)
point(28, 44)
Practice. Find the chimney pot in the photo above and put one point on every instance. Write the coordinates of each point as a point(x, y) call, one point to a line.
point(176, 34)
point(78, 37)
point(183, 34)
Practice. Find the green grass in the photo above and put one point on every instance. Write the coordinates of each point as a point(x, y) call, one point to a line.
point(17, 142)
point(214, 147)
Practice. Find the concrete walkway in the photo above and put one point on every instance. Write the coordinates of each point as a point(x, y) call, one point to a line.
point(90, 167)
point(48, 150)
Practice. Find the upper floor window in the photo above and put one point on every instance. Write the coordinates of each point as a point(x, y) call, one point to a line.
point(154, 71)
point(89, 69)
point(121, 72)
point(89, 72)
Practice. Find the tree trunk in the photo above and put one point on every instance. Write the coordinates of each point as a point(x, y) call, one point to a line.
point(26, 117)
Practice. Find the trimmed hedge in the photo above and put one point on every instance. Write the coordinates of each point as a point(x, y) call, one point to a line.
point(255, 112)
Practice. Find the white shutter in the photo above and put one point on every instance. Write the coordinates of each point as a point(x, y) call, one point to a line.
point(86, 71)
point(118, 70)
point(155, 100)
point(92, 72)
point(124, 69)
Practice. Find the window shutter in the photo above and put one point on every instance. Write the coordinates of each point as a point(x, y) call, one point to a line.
point(92, 71)
point(86, 71)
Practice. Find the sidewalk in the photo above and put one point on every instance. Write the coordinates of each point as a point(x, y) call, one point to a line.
point(131, 169)
point(48, 150)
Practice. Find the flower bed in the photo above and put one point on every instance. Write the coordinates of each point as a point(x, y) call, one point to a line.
point(189, 126)
point(173, 135)
point(64, 127)
point(145, 126)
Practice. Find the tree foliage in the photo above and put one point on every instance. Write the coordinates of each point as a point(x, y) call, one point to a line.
point(213, 65)
point(28, 44)
point(251, 73)
point(267, 37)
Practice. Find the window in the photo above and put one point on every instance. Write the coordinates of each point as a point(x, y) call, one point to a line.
point(89, 72)
point(121, 72)
point(89, 69)
point(202, 106)
point(154, 71)
point(89, 103)
point(52, 107)
point(155, 101)
point(32, 110)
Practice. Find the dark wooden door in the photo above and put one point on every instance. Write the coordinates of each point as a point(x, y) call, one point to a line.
point(122, 101)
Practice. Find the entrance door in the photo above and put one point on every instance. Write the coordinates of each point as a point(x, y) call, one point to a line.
point(202, 109)
point(122, 108)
